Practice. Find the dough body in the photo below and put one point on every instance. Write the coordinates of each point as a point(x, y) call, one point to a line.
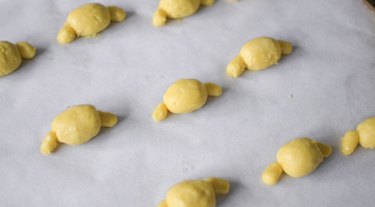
point(179, 8)
point(77, 124)
point(299, 157)
point(185, 96)
point(89, 19)
point(260, 53)
point(10, 58)
point(366, 131)
point(191, 194)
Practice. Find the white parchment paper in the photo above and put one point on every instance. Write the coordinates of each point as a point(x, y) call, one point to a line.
point(325, 87)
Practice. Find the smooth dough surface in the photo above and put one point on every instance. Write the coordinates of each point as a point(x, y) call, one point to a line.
point(299, 157)
point(10, 58)
point(366, 131)
point(185, 96)
point(179, 8)
point(89, 19)
point(77, 124)
point(260, 53)
point(193, 193)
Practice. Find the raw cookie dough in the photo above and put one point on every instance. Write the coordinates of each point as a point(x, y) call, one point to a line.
point(364, 135)
point(76, 125)
point(195, 193)
point(88, 20)
point(175, 9)
point(297, 158)
point(258, 54)
point(11, 55)
point(185, 96)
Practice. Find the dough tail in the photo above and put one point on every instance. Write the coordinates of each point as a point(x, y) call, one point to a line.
point(236, 67)
point(207, 2)
point(107, 119)
point(213, 89)
point(159, 18)
point(66, 34)
point(286, 47)
point(117, 14)
point(27, 51)
point(272, 173)
point(49, 143)
point(160, 112)
point(349, 142)
point(220, 186)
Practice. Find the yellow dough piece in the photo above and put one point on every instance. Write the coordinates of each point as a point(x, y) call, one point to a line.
point(364, 135)
point(297, 158)
point(88, 20)
point(195, 193)
point(76, 125)
point(185, 96)
point(175, 9)
point(11, 55)
point(258, 54)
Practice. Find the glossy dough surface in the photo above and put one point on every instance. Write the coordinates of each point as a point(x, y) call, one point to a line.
point(77, 124)
point(299, 157)
point(185, 96)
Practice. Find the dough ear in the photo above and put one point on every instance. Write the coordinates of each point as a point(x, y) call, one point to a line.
point(163, 204)
point(66, 34)
point(325, 149)
point(27, 51)
point(207, 2)
point(117, 14)
point(236, 67)
point(220, 186)
point(349, 142)
point(107, 119)
point(160, 112)
point(272, 173)
point(159, 18)
point(213, 89)
point(286, 47)
point(49, 143)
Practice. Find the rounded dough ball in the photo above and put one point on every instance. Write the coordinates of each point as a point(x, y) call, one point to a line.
point(179, 8)
point(366, 131)
point(185, 96)
point(10, 58)
point(77, 124)
point(89, 19)
point(191, 194)
point(299, 157)
point(260, 53)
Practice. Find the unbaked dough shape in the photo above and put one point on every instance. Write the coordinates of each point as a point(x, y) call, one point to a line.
point(195, 193)
point(364, 135)
point(76, 125)
point(258, 54)
point(176, 9)
point(88, 20)
point(297, 158)
point(11, 55)
point(185, 96)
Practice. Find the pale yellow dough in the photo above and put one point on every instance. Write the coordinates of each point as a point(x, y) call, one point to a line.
point(11, 55)
point(185, 96)
point(258, 54)
point(195, 193)
point(175, 9)
point(363, 135)
point(88, 20)
point(76, 125)
point(297, 158)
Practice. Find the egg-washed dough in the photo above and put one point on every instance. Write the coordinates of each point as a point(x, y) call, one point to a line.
point(297, 158)
point(195, 193)
point(88, 20)
point(75, 126)
point(11, 55)
point(185, 96)
point(175, 9)
point(258, 54)
point(363, 135)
